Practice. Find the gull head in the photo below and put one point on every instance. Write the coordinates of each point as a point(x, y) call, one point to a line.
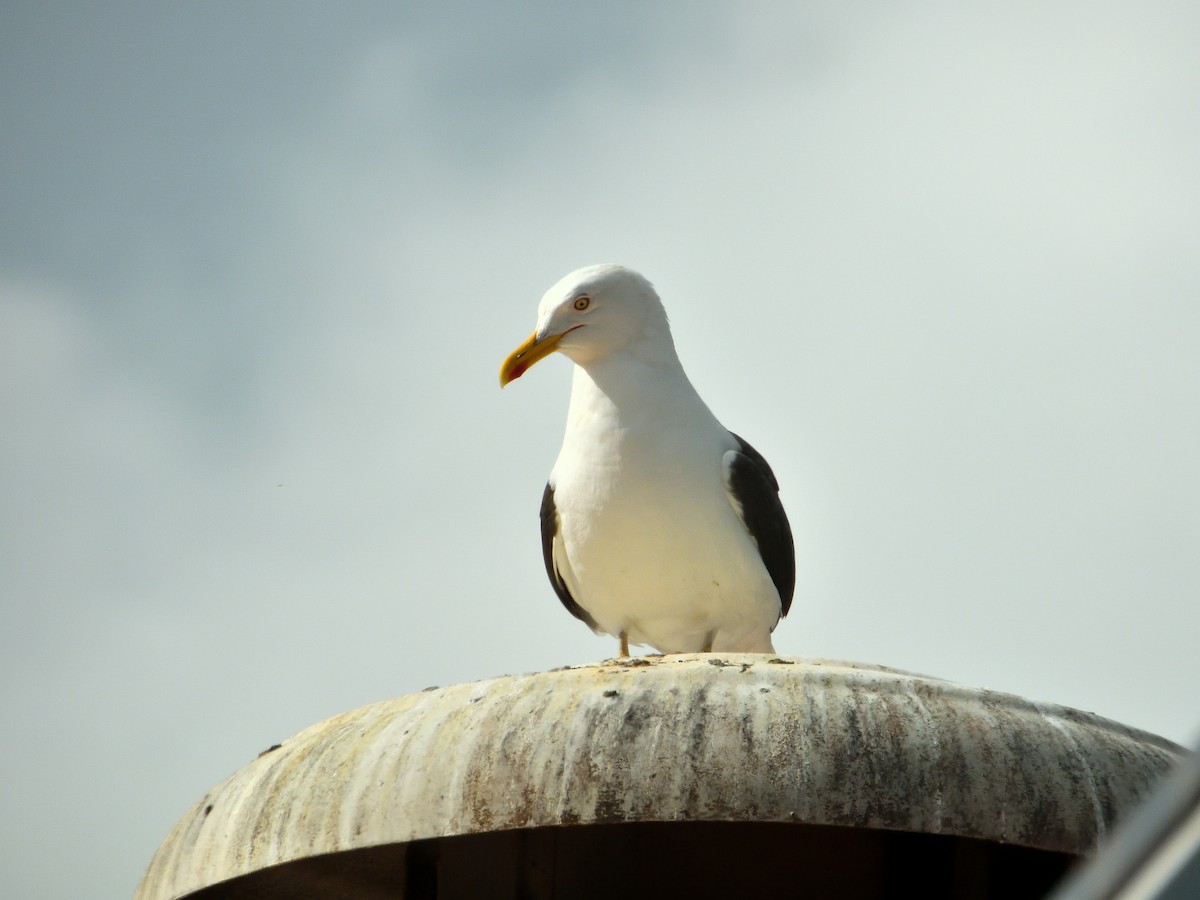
point(589, 315)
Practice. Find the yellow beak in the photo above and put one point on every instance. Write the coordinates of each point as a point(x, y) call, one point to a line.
point(532, 350)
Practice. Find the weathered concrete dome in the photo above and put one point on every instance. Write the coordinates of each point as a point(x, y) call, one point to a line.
point(708, 738)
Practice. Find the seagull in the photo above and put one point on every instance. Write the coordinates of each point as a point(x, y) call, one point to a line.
point(660, 527)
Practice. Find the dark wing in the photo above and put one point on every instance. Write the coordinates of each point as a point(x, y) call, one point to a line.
point(753, 485)
point(549, 533)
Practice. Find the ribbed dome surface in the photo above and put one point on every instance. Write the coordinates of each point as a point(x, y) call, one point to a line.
point(709, 737)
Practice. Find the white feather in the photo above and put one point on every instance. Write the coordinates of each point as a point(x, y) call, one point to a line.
point(650, 541)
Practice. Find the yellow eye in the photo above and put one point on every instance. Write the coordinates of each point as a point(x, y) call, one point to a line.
point(581, 303)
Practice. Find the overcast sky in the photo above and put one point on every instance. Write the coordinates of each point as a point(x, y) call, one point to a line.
point(259, 264)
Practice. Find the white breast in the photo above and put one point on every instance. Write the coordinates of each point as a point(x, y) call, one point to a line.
point(649, 542)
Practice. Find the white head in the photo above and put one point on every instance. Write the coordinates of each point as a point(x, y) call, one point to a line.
point(589, 315)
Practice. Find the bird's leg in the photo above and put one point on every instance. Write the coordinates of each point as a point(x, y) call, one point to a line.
point(624, 638)
point(707, 648)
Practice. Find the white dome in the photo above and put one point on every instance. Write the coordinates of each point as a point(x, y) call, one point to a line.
point(708, 737)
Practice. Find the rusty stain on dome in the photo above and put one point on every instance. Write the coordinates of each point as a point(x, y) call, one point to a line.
point(705, 737)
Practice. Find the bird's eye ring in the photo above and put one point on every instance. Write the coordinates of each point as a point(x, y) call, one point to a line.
point(581, 303)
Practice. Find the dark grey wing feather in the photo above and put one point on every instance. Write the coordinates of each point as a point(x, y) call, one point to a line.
point(549, 532)
point(753, 485)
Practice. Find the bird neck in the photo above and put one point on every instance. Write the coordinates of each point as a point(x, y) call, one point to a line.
point(637, 382)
